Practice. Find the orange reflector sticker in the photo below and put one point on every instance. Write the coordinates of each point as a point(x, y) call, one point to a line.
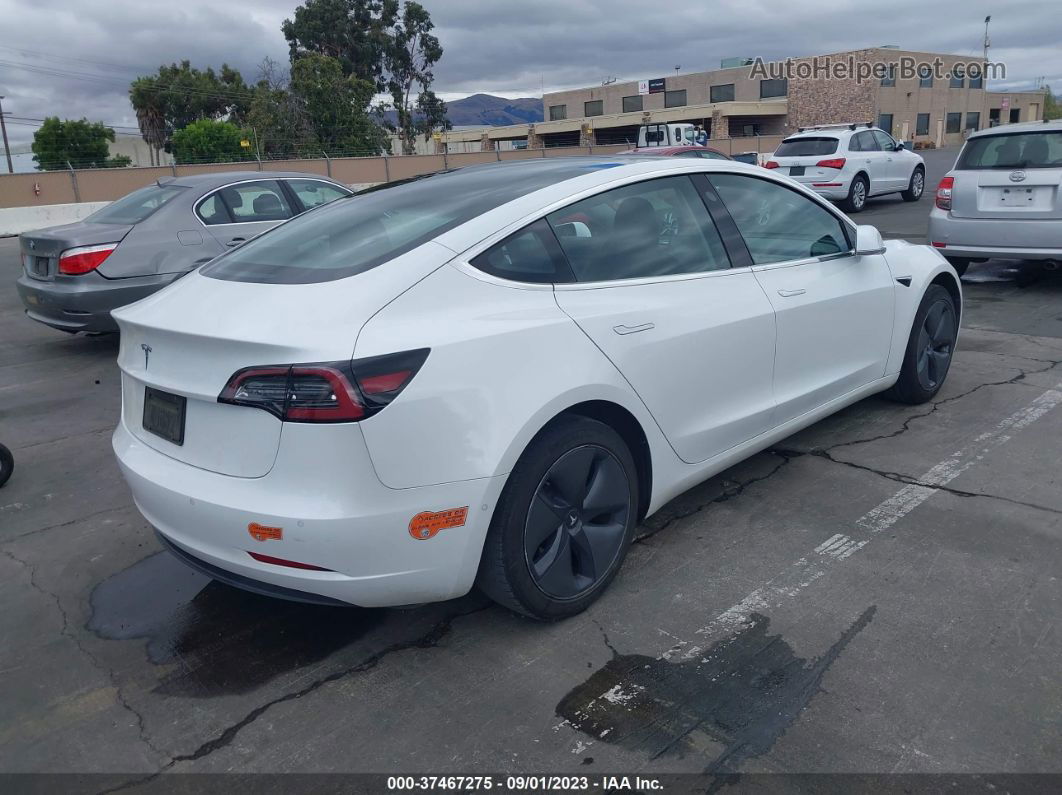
point(425, 525)
point(260, 532)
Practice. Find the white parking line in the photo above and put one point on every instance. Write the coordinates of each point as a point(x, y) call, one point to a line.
point(840, 547)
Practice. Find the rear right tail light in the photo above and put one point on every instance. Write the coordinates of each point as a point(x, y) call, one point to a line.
point(944, 193)
point(324, 391)
point(75, 261)
point(836, 162)
point(771, 164)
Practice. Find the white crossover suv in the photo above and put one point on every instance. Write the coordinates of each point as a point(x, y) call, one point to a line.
point(849, 163)
point(489, 376)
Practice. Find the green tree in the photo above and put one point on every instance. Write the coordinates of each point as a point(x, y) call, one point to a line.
point(81, 143)
point(1052, 107)
point(180, 94)
point(409, 60)
point(335, 106)
point(209, 141)
point(356, 32)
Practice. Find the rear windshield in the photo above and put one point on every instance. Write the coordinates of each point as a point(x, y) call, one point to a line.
point(1014, 150)
point(795, 147)
point(137, 206)
point(353, 234)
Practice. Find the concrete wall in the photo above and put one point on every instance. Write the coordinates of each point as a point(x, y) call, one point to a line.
point(16, 220)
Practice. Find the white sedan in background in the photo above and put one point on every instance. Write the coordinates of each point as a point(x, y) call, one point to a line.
point(490, 376)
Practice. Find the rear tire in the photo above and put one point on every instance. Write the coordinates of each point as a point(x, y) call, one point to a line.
point(959, 263)
point(930, 348)
point(564, 522)
point(7, 464)
point(858, 192)
point(916, 186)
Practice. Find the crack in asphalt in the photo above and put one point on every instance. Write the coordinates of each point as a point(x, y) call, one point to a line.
point(65, 631)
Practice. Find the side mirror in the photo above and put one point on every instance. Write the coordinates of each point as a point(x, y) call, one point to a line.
point(868, 240)
point(900, 145)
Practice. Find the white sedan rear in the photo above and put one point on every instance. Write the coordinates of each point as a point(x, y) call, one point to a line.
point(490, 376)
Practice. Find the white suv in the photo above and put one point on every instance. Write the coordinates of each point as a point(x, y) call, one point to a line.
point(849, 163)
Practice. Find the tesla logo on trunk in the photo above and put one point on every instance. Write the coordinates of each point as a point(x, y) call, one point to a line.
point(147, 353)
point(1017, 176)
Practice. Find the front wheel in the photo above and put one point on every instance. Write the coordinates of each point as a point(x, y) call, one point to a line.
point(857, 195)
point(564, 521)
point(7, 464)
point(929, 348)
point(916, 186)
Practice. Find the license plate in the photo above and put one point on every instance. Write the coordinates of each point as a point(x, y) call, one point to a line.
point(164, 414)
point(796, 171)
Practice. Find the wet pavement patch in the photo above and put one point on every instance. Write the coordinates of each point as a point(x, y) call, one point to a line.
point(729, 704)
point(219, 639)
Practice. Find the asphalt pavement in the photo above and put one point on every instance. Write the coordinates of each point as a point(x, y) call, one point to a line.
point(878, 593)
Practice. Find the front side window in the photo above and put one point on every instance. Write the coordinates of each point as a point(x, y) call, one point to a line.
point(313, 193)
point(953, 123)
point(530, 255)
point(885, 141)
point(806, 147)
point(632, 104)
point(774, 88)
point(137, 206)
point(655, 228)
point(251, 202)
point(1018, 150)
point(558, 112)
point(723, 93)
point(595, 107)
point(675, 99)
point(779, 224)
point(922, 124)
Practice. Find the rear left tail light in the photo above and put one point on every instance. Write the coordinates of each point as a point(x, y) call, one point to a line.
point(771, 164)
point(944, 193)
point(324, 391)
point(75, 261)
point(835, 162)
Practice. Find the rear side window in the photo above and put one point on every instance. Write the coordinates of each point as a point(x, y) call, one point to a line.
point(1018, 150)
point(530, 255)
point(655, 228)
point(313, 193)
point(261, 200)
point(797, 147)
point(135, 207)
point(779, 224)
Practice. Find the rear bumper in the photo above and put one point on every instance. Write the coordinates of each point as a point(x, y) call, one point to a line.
point(334, 514)
point(84, 303)
point(985, 238)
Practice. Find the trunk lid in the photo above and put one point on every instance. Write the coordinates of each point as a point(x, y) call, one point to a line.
point(41, 248)
point(189, 339)
point(1025, 194)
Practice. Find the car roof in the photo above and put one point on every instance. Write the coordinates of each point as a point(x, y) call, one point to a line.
point(669, 150)
point(217, 179)
point(1020, 127)
point(831, 132)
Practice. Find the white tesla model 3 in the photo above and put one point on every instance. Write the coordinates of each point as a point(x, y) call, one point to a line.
point(489, 376)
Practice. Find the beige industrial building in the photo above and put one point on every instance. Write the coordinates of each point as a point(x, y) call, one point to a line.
point(928, 98)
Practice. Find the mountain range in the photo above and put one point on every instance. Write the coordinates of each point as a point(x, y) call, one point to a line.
point(491, 110)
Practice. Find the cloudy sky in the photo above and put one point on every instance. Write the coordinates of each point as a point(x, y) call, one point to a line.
point(75, 58)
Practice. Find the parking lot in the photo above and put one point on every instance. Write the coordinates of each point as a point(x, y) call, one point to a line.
point(879, 593)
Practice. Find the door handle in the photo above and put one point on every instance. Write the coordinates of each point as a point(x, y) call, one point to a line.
point(236, 241)
point(633, 329)
point(790, 293)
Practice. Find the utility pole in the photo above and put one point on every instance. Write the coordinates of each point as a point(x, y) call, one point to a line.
point(988, 43)
point(7, 147)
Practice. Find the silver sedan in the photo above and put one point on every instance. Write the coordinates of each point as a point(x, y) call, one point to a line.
point(74, 275)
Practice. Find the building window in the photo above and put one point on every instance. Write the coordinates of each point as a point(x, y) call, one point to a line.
point(774, 88)
point(632, 104)
point(675, 99)
point(925, 77)
point(953, 123)
point(723, 93)
point(558, 112)
point(973, 121)
point(885, 122)
point(977, 79)
point(594, 108)
point(922, 124)
point(888, 74)
point(957, 81)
